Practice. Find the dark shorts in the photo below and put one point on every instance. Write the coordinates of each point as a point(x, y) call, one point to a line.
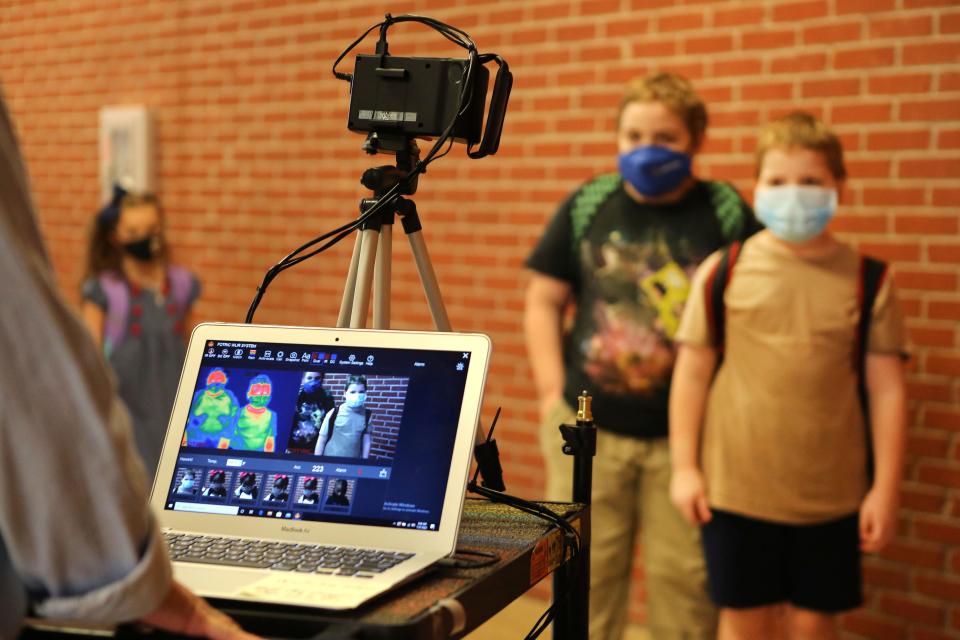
point(753, 563)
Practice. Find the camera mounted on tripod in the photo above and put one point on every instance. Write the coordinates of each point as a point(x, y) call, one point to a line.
point(394, 99)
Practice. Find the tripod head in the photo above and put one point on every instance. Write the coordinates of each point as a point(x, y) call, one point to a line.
point(382, 179)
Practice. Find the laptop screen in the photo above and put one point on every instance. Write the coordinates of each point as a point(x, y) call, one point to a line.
point(320, 432)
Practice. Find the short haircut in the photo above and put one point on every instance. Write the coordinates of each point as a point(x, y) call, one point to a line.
point(357, 380)
point(676, 93)
point(804, 131)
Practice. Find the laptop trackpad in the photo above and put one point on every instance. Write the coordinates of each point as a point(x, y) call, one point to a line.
point(215, 581)
point(283, 587)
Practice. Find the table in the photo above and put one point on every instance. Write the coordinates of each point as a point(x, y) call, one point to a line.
point(446, 603)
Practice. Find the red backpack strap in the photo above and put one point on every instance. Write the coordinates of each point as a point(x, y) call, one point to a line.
point(713, 291)
point(117, 314)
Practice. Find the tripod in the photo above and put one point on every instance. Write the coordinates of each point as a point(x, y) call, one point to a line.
point(370, 263)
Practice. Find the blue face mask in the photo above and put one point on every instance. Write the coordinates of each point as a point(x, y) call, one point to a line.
point(795, 213)
point(653, 170)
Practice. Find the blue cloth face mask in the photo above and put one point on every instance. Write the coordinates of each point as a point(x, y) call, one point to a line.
point(795, 213)
point(654, 170)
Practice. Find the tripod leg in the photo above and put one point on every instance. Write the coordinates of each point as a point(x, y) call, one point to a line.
point(381, 279)
point(428, 278)
point(346, 303)
point(361, 297)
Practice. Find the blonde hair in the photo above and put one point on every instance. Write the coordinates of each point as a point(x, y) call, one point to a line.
point(799, 129)
point(677, 94)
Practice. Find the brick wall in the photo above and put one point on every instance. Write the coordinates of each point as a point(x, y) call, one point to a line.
point(254, 158)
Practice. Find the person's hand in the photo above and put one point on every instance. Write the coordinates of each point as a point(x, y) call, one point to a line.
point(878, 520)
point(184, 612)
point(688, 493)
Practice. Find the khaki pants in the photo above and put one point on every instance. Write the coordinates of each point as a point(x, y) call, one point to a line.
point(631, 479)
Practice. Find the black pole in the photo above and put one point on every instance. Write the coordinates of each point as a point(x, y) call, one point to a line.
point(573, 578)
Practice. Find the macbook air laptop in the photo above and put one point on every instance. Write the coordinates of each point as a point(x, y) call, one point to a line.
point(317, 467)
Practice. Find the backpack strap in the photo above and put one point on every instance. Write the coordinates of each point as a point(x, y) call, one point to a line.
point(181, 286)
point(117, 312)
point(713, 291)
point(587, 202)
point(872, 273)
point(728, 207)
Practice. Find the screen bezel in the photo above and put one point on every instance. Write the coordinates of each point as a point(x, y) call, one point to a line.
point(442, 541)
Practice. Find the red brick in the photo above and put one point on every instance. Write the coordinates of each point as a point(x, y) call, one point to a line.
point(929, 224)
point(936, 587)
point(769, 39)
point(741, 15)
point(931, 169)
point(926, 280)
point(949, 139)
point(680, 22)
point(628, 27)
point(797, 63)
point(708, 44)
point(600, 53)
point(944, 365)
point(900, 26)
point(949, 23)
point(861, 113)
point(910, 609)
point(898, 140)
point(736, 67)
point(830, 87)
point(944, 310)
point(930, 110)
point(799, 11)
point(949, 81)
point(900, 84)
point(932, 53)
point(944, 252)
point(595, 7)
point(859, 224)
point(915, 554)
point(942, 419)
point(654, 49)
point(930, 502)
point(873, 626)
point(937, 392)
point(864, 58)
point(767, 91)
point(898, 251)
point(879, 577)
point(833, 33)
point(942, 197)
point(865, 6)
point(570, 33)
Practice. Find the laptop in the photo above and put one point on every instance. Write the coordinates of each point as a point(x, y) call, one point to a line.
point(317, 467)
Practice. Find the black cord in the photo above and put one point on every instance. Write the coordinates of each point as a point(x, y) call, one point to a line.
point(455, 35)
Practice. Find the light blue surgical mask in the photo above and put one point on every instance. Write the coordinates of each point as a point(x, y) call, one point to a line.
point(795, 213)
point(355, 400)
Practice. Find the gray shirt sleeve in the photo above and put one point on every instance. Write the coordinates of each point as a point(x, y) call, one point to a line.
point(74, 517)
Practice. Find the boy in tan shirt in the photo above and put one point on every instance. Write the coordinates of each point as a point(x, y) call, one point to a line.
point(769, 451)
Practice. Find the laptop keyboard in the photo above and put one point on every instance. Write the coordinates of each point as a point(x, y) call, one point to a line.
point(281, 556)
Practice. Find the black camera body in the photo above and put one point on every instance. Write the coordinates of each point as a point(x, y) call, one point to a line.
point(416, 97)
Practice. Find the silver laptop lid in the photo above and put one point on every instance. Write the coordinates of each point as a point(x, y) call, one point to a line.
point(337, 436)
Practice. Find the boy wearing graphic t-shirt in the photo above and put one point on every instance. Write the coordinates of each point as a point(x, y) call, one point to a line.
point(770, 450)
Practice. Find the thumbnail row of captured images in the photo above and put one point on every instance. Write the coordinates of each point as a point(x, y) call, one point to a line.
point(227, 486)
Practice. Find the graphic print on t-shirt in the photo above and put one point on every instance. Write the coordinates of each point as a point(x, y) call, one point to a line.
point(641, 290)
